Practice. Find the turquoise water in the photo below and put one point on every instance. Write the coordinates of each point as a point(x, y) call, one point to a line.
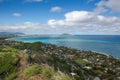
point(108, 44)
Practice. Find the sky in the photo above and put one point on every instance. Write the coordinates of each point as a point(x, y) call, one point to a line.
point(60, 16)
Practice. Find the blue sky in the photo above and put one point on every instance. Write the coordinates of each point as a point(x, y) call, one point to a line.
point(40, 11)
point(60, 16)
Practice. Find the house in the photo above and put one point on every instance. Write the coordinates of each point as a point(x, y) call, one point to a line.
point(73, 74)
point(27, 51)
point(87, 67)
point(96, 78)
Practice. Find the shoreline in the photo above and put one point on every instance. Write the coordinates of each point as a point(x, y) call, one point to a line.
point(69, 48)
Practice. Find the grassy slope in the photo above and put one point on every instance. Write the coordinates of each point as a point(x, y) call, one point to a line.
point(14, 63)
point(8, 62)
point(10, 57)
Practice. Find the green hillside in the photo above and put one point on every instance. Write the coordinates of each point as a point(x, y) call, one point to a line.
point(38, 61)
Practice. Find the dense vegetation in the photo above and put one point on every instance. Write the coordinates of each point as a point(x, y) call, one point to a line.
point(8, 62)
point(33, 61)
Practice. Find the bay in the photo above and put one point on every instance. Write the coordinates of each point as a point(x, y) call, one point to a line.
point(107, 44)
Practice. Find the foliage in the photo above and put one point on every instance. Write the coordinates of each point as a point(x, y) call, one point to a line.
point(53, 63)
point(62, 76)
point(8, 61)
point(31, 71)
point(11, 76)
point(48, 72)
point(80, 62)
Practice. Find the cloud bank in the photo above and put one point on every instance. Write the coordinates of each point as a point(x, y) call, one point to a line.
point(105, 5)
point(76, 22)
point(88, 22)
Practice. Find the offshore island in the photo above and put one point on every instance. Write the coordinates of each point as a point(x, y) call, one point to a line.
point(39, 61)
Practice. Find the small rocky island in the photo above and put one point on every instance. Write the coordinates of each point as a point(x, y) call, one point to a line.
point(38, 61)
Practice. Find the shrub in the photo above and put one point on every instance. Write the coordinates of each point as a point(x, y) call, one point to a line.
point(48, 72)
point(80, 62)
point(11, 76)
point(7, 63)
point(31, 71)
point(62, 76)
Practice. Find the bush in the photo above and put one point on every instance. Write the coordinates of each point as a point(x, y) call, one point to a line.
point(80, 62)
point(31, 71)
point(62, 76)
point(11, 76)
point(7, 63)
point(48, 72)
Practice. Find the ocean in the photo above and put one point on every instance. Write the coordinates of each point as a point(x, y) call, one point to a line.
point(107, 44)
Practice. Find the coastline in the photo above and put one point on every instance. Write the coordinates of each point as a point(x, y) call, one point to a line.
point(67, 47)
point(30, 41)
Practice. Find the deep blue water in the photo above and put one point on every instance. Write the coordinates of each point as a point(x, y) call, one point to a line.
point(108, 44)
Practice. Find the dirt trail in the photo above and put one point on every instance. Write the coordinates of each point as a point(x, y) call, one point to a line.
point(22, 64)
point(23, 61)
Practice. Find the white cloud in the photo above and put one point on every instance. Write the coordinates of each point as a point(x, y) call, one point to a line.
point(83, 21)
point(33, 0)
point(114, 5)
point(100, 7)
point(56, 9)
point(29, 28)
point(75, 16)
point(17, 14)
point(104, 5)
point(80, 22)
